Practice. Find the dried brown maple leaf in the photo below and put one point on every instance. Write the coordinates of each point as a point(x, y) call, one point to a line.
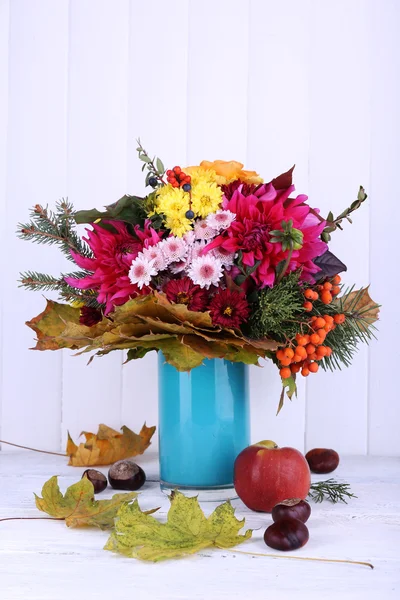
point(108, 446)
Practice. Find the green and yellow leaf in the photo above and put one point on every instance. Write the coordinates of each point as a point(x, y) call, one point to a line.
point(186, 531)
point(78, 506)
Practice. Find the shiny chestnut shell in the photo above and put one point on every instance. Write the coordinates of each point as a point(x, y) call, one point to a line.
point(322, 460)
point(286, 534)
point(293, 508)
point(98, 479)
point(126, 475)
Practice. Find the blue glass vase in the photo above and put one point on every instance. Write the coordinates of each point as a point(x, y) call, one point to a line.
point(204, 422)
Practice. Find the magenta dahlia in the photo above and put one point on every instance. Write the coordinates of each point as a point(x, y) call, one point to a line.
point(113, 253)
point(184, 291)
point(229, 308)
point(257, 213)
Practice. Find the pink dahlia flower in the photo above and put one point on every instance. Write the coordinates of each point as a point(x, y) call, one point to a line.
point(259, 211)
point(113, 253)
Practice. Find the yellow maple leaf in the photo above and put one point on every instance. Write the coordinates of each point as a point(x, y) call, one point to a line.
point(78, 506)
point(108, 446)
point(186, 531)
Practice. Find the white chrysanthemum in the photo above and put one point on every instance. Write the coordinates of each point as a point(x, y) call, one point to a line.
point(174, 249)
point(141, 271)
point(226, 258)
point(155, 254)
point(203, 231)
point(220, 220)
point(205, 271)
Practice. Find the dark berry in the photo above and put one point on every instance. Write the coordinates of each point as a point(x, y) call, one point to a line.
point(186, 187)
point(153, 181)
point(97, 478)
point(189, 214)
point(126, 475)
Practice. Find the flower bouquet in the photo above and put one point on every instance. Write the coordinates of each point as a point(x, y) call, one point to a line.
point(212, 263)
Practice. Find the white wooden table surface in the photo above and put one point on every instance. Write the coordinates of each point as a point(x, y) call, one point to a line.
point(45, 560)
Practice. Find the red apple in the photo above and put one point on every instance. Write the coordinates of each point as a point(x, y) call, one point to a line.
point(264, 475)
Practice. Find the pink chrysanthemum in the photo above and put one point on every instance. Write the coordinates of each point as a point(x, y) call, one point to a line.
point(229, 309)
point(203, 231)
point(174, 249)
point(184, 291)
point(205, 271)
point(220, 220)
point(256, 215)
point(113, 252)
point(141, 271)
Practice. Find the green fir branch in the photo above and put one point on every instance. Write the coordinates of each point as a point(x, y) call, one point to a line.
point(330, 490)
point(277, 312)
point(41, 282)
point(54, 228)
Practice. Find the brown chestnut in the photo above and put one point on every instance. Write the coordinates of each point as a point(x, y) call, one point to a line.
point(293, 508)
point(322, 460)
point(286, 534)
point(97, 478)
point(126, 475)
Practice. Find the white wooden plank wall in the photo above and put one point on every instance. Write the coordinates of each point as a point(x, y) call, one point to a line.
point(268, 83)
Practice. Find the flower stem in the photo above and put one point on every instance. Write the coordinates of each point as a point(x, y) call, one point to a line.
point(329, 560)
point(33, 449)
point(285, 266)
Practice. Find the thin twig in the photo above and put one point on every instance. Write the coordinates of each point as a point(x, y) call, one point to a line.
point(335, 560)
point(33, 519)
point(33, 449)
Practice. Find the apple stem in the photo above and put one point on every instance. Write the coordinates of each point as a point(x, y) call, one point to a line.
point(329, 560)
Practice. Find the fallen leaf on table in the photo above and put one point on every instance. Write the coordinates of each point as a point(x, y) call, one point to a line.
point(78, 506)
point(186, 531)
point(108, 446)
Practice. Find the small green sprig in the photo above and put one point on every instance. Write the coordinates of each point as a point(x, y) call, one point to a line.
point(330, 490)
point(336, 223)
point(154, 166)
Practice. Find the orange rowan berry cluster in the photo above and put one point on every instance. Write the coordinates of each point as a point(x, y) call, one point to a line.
point(307, 349)
point(324, 292)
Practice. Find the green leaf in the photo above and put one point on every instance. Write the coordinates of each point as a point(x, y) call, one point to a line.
point(160, 166)
point(290, 384)
point(78, 506)
point(128, 208)
point(186, 531)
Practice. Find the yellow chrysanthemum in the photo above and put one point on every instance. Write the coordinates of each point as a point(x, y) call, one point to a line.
point(199, 175)
point(178, 224)
point(173, 203)
point(206, 198)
